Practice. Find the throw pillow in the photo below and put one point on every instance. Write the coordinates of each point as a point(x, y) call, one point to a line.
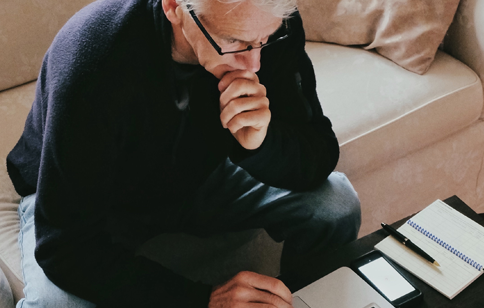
point(408, 32)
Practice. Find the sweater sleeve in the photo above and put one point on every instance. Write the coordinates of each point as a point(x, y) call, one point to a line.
point(76, 118)
point(300, 149)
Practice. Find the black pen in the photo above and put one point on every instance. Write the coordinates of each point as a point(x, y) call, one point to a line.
point(405, 241)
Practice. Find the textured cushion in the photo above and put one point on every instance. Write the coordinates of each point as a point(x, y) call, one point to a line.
point(381, 112)
point(406, 31)
point(27, 28)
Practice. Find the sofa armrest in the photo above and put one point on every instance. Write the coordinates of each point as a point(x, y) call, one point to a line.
point(465, 37)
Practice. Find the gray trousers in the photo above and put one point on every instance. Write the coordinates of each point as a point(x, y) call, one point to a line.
point(308, 222)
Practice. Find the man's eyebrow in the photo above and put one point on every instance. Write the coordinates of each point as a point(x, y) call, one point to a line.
point(229, 37)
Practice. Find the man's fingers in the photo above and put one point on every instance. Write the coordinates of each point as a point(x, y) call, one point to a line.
point(256, 119)
point(248, 297)
point(228, 78)
point(241, 105)
point(265, 297)
point(244, 108)
point(249, 289)
point(241, 88)
point(270, 284)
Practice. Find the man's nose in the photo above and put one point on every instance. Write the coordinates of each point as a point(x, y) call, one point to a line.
point(251, 60)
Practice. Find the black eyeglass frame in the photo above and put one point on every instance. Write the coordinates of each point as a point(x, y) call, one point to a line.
point(249, 48)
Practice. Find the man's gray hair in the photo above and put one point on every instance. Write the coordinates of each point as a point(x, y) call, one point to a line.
point(278, 8)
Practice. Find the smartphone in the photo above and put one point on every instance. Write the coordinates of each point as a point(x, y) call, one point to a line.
point(375, 269)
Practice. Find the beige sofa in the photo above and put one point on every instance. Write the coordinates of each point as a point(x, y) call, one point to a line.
point(406, 139)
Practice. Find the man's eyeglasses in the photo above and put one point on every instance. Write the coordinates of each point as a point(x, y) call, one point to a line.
point(282, 33)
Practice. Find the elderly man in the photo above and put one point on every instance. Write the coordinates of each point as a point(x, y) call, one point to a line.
point(195, 116)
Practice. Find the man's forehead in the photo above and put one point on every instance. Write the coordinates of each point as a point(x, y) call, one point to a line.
point(236, 19)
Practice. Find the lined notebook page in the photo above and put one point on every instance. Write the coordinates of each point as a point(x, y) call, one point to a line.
point(454, 229)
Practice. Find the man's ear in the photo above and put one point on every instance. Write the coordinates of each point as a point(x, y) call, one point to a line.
point(172, 11)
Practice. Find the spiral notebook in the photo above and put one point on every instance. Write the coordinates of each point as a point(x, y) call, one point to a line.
point(455, 241)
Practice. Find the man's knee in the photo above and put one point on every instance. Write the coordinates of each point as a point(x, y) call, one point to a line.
point(335, 205)
point(336, 197)
point(329, 216)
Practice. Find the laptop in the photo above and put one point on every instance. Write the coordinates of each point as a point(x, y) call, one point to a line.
point(343, 288)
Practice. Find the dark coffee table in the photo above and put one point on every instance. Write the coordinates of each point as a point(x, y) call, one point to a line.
point(319, 266)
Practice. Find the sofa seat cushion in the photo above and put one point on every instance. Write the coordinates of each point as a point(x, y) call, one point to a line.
point(381, 112)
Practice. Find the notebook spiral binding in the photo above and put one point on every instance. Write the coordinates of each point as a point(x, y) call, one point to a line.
point(445, 245)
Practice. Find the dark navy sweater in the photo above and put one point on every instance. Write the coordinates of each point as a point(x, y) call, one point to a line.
point(106, 141)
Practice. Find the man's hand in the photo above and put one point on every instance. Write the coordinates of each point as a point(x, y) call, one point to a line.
point(244, 108)
point(249, 289)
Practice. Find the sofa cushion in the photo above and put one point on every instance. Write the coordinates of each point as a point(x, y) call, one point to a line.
point(381, 112)
point(27, 28)
point(407, 31)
